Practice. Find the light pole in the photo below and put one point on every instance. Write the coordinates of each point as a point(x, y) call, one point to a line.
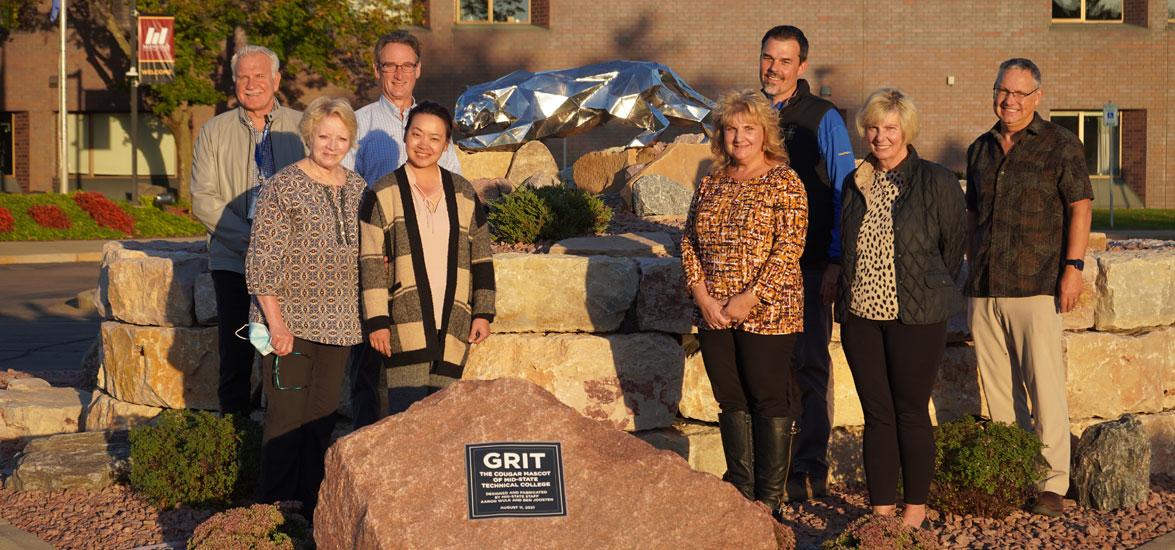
point(133, 75)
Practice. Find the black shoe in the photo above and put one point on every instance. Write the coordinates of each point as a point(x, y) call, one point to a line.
point(797, 487)
point(737, 444)
point(1049, 504)
point(773, 446)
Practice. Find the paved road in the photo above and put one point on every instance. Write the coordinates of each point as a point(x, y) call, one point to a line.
point(41, 329)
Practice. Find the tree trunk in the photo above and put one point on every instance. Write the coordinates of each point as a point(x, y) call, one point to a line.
point(180, 124)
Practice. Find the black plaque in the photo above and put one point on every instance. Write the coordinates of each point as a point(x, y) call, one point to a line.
point(515, 480)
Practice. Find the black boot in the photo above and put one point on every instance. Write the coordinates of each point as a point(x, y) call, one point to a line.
point(773, 441)
point(737, 439)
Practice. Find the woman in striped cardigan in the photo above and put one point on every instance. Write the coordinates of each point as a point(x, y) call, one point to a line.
point(426, 270)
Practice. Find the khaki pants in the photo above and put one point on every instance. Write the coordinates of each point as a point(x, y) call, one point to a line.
point(1021, 363)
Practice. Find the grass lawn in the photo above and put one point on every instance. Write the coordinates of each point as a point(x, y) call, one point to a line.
point(1134, 218)
point(150, 222)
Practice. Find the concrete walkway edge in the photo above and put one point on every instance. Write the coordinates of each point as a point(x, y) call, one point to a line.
point(12, 538)
point(56, 252)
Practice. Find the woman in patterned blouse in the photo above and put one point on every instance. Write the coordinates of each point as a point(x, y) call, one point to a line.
point(740, 253)
point(902, 231)
point(303, 267)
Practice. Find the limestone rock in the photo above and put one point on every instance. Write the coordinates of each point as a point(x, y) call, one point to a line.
point(204, 294)
point(170, 367)
point(1112, 465)
point(705, 447)
point(684, 163)
point(532, 158)
point(1082, 316)
point(844, 405)
point(697, 395)
point(30, 407)
point(91, 365)
point(656, 195)
point(666, 439)
point(620, 492)
point(662, 303)
point(562, 293)
point(150, 286)
point(489, 189)
point(956, 391)
point(628, 381)
point(690, 138)
point(1160, 430)
point(90, 460)
point(484, 164)
point(1111, 374)
point(542, 179)
point(1097, 243)
point(1135, 289)
point(597, 172)
point(844, 451)
point(107, 413)
point(624, 245)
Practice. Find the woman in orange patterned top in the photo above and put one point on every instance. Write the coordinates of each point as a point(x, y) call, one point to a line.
point(741, 257)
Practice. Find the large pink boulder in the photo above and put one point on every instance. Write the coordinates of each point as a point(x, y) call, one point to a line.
point(402, 483)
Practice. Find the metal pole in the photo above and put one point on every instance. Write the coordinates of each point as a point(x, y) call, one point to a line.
point(63, 127)
point(134, 74)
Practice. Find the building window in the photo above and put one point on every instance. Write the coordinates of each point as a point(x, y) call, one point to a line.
point(1170, 11)
point(493, 11)
point(1097, 11)
point(7, 146)
point(1087, 126)
point(104, 147)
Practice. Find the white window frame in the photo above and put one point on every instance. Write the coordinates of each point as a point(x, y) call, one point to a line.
point(1081, 114)
point(490, 15)
point(1082, 19)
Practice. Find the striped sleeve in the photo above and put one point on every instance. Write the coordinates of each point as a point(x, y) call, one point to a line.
point(481, 264)
point(374, 271)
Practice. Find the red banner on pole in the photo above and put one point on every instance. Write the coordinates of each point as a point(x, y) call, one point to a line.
point(156, 48)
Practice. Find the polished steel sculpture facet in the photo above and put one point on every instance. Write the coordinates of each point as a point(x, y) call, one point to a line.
point(524, 106)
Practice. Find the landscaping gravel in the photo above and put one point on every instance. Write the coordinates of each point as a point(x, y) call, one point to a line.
point(115, 518)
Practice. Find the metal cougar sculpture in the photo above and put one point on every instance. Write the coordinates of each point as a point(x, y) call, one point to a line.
point(524, 106)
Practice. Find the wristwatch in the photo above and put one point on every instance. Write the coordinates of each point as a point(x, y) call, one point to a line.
point(1079, 264)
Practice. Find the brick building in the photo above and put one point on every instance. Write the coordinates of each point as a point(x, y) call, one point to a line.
point(943, 53)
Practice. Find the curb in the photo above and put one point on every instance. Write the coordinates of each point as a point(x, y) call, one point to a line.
point(12, 538)
point(51, 258)
point(1162, 542)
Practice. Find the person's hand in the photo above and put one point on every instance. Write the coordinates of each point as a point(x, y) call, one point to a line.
point(713, 312)
point(1069, 289)
point(739, 306)
point(479, 330)
point(828, 285)
point(381, 341)
point(281, 339)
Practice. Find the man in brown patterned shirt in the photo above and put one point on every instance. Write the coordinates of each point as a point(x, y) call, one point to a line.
point(1029, 205)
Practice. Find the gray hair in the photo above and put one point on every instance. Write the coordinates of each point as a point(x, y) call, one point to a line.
point(250, 49)
point(1021, 63)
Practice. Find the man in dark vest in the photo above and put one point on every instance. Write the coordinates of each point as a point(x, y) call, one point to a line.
point(822, 155)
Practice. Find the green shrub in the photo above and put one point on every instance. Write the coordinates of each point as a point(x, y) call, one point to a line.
point(260, 527)
point(874, 532)
point(196, 458)
point(984, 468)
point(548, 213)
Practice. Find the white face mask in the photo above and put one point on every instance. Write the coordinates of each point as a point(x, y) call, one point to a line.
point(258, 336)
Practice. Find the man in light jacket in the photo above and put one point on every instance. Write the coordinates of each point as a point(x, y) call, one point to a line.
point(235, 153)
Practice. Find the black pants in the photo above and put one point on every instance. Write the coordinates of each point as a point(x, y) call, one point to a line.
point(236, 355)
point(365, 366)
point(894, 367)
point(812, 362)
point(746, 373)
point(299, 420)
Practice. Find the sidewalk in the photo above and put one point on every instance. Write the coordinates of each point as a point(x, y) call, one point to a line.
point(12, 538)
point(56, 252)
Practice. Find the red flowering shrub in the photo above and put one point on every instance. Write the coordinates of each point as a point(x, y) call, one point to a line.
point(6, 221)
point(105, 212)
point(50, 216)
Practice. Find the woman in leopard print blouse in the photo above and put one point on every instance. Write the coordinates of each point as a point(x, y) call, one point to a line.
point(902, 230)
point(741, 258)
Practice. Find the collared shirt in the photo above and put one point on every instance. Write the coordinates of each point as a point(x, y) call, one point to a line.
point(749, 235)
point(380, 140)
point(263, 167)
point(1021, 200)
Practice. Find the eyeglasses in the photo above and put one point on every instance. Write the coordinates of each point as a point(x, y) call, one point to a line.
point(1018, 96)
point(277, 381)
point(397, 67)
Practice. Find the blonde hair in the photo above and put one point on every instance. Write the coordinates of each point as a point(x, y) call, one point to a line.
point(323, 107)
point(883, 102)
point(752, 105)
